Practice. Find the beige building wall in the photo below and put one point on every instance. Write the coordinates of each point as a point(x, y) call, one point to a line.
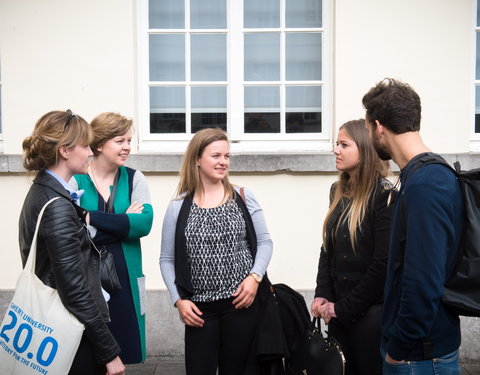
point(429, 44)
point(60, 54)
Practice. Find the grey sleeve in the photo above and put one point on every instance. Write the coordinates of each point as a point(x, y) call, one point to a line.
point(264, 242)
point(167, 253)
point(140, 192)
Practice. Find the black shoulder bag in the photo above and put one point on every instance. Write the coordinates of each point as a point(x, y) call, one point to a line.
point(317, 354)
point(108, 272)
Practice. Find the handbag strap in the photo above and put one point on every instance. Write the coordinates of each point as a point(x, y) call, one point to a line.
point(32, 255)
point(101, 251)
point(114, 192)
point(316, 327)
point(242, 193)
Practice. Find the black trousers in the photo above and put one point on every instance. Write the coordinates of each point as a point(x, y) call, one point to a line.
point(224, 342)
point(361, 342)
point(85, 361)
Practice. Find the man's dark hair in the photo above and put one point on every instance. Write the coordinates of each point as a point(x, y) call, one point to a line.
point(395, 105)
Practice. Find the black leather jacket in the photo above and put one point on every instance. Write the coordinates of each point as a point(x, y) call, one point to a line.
point(65, 260)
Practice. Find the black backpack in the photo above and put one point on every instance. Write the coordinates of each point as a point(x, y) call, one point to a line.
point(462, 289)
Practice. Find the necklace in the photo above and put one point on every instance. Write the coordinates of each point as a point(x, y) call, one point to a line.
point(97, 187)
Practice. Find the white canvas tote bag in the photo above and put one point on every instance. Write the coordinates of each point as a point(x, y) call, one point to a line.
point(38, 335)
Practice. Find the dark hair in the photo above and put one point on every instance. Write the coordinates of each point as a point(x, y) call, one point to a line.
point(395, 105)
point(52, 131)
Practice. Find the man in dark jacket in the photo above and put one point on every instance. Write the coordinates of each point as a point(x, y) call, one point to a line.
point(417, 329)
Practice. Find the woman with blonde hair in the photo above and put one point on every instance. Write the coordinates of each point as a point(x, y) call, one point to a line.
point(215, 252)
point(59, 148)
point(118, 201)
point(352, 266)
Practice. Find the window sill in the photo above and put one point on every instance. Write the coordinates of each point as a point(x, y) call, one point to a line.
point(243, 163)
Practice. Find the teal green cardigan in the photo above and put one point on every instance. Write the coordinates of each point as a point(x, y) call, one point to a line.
point(131, 186)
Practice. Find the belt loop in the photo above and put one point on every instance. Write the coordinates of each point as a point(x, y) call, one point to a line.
point(427, 348)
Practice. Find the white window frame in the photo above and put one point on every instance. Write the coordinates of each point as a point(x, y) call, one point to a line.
point(257, 142)
point(2, 124)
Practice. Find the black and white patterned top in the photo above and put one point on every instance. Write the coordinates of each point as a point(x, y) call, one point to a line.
point(217, 251)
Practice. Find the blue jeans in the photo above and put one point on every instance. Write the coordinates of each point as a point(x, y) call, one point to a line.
point(445, 365)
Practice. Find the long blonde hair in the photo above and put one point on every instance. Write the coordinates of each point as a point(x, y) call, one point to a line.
point(190, 182)
point(359, 187)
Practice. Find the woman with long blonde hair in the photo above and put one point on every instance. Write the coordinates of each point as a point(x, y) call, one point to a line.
point(352, 265)
point(215, 252)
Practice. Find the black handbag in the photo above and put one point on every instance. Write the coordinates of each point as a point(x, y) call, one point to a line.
point(317, 355)
point(108, 273)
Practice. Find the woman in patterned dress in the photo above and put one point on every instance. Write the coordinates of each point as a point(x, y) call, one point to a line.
point(118, 200)
point(215, 252)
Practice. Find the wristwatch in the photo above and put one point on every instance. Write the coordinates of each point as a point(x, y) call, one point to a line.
point(256, 276)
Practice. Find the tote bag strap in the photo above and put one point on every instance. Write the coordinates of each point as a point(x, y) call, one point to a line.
point(32, 255)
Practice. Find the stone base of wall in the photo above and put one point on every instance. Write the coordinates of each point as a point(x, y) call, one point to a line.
point(165, 331)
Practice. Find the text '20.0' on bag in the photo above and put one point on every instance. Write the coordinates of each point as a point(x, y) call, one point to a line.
point(317, 355)
point(38, 334)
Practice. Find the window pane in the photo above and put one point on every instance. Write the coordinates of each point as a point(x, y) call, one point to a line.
point(167, 57)
point(209, 99)
point(208, 120)
point(296, 122)
point(166, 14)
point(262, 57)
point(264, 122)
point(303, 109)
point(261, 13)
point(209, 57)
point(208, 14)
point(262, 97)
point(477, 66)
point(477, 109)
point(303, 13)
point(478, 13)
point(167, 110)
point(209, 108)
point(262, 109)
point(303, 56)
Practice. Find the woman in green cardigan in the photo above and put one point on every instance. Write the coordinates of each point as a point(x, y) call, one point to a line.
point(118, 202)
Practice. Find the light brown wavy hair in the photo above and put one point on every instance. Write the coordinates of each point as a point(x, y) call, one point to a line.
point(108, 125)
point(359, 187)
point(52, 131)
point(190, 182)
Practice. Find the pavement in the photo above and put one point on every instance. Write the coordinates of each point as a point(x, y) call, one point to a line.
point(176, 366)
point(158, 366)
